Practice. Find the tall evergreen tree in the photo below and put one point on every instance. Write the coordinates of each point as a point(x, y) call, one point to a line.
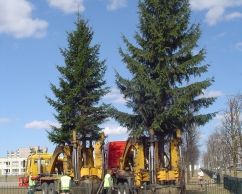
point(81, 86)
point(161, 64)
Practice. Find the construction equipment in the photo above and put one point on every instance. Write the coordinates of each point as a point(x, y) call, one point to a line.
point(138, 164)
point(113, 151)
point(78, 161)
point(145, 165)
point(41, 164)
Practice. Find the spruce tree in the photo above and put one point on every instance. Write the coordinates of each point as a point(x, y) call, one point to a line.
point(163, 92)
point(81, 87)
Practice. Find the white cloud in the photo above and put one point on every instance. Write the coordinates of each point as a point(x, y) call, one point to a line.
point(201, 136)
point(216, 9)
point(4, 120)
point(219, 36)
point(41, 125)
point(195, 51)
point(15, 19)
point(214, 15)
point(214, 94)
point(211, 94)
point(218, 117)
point(207, 4)
point(239, 46)
point(67, 6)
point(233, 16)
point(118, 98)
point(115, 4)
point(224, 116)
point(114, 130)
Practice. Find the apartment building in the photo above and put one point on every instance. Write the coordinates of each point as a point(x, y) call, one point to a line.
point(13, 163)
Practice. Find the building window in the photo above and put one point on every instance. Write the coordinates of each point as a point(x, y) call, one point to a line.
point(7, 163)
point(6, 171)
point(15, 170)
point(15, 163)
point(41, 162)
point(22, 170)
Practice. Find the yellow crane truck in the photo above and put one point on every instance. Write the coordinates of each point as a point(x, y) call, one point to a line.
point(78, 160)
point(45, 169)
point(138, 164)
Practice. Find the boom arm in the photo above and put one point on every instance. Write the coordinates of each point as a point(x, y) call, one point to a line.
point(58, 150)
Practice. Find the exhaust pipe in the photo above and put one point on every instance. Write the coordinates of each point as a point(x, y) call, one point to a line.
point(151, 158)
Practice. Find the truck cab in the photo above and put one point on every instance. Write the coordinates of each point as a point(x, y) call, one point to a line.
point(45, 168)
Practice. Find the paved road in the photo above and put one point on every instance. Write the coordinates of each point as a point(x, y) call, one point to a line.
point(8, 184)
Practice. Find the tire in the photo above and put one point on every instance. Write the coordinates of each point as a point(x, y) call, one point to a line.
point(51, 189)
point(44, 188)
point(126, 188)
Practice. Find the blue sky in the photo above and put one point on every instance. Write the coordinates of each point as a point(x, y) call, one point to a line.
point(31, 33)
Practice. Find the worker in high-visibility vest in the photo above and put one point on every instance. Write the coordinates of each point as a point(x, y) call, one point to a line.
point(65, 183)
point(108, 182)
point(31, 183)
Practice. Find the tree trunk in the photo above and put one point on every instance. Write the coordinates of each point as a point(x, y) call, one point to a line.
point(192, 166)
point(188, 173)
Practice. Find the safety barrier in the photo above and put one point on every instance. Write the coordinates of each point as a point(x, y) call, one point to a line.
point(211, 173)
point(23, 182)
point(13, 190)
point(206, 188)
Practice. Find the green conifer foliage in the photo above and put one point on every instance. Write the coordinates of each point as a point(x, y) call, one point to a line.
point(163, 92)
point(81, 87)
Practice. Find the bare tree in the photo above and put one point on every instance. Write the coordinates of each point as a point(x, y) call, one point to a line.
point(214, 156)
point(224, 145)
point(190, 149)
point(231, 129)
point(205, 160)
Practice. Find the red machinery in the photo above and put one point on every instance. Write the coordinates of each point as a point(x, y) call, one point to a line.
point(113, 151)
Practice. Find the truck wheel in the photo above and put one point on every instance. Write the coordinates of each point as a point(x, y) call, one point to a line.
point(126, 188)
point(44, 188)
point(51, 189)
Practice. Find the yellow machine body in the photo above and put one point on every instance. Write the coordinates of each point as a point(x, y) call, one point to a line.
point(77, 159)
point(46, 164)
point(135, 162)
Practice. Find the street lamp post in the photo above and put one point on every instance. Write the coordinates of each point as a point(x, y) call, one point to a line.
point(6, 177)
point(16, 166)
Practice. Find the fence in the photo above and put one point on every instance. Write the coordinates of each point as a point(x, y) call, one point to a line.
point(232, 186)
